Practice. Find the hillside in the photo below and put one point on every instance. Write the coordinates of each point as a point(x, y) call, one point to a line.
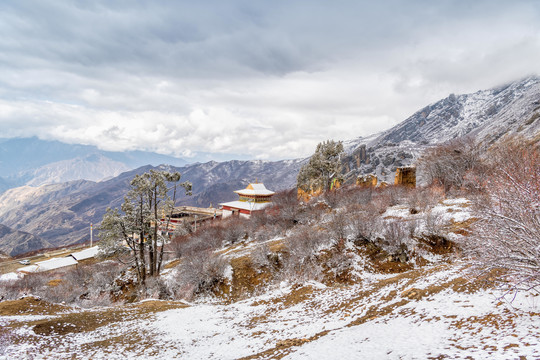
point(61, 213)
point(487, 115)
point(421, 314)
point(279, 289)
point(388, 272)
point(16, 242)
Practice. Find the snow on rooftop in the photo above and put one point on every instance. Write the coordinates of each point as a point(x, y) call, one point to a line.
point(86, 253)
point(255, 189)
point(28, 269)
point(245, 205)
point(50, 264)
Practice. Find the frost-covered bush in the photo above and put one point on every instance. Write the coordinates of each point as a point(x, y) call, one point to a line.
point(156, 288)
point(84, 285)
point(11, 289)
point(507, 234)
point(262, 257)
point(424, 198)
point(448, 164)
point(207, 238)
point(354, 195)
point(200, 273)
point(363, 224)
point(302, 247)
point(434, 224)
point(396, 238)
point(338, 225)
point(234, 230)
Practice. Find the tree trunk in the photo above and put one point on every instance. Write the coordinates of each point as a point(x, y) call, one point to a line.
point(155, 271)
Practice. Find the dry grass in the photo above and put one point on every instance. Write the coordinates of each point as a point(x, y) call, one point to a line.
point(63, 321)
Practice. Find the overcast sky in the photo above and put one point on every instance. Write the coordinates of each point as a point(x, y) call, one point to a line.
point(260, 79)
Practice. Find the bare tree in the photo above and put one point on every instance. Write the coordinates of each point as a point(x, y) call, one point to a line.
point(200, 273)
point(507, 234)
point(447, 164)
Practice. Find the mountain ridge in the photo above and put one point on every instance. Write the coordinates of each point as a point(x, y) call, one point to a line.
point(486, 115)
point(32, 161)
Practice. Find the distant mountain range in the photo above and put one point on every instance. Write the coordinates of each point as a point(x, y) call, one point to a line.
point(31, 161)
point(60, 214)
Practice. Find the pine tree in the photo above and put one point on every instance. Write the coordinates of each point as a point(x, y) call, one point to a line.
point(323, 167)
point(144, 207)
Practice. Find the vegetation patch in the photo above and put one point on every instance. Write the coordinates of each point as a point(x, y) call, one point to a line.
point(30, 306)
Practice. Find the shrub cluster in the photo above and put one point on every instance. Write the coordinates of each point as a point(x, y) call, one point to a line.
point(83, 285)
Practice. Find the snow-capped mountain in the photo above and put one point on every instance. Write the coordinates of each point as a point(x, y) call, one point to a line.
point(487, 115)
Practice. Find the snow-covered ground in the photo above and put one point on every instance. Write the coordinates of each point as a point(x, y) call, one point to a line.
point(432, 312)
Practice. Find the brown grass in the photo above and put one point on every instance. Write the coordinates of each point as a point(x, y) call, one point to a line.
point(30, 306)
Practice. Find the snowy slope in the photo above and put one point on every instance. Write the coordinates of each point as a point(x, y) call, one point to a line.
point(425, 313)
point(486, 115)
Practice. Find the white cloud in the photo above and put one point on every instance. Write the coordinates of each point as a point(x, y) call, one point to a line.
point(269, 80)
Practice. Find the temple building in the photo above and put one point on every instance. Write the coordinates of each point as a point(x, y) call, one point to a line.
point(254, 197)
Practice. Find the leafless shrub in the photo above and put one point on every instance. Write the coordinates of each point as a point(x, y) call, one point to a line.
point(382, 200)
point(267, 232)
point(447, 164)
point(434, 224)
point(12, 289)
point(199, 273)
point(34, 281)
point(396, 235)
point(507, 235)
point(263, 257)
point(156, 288)
point(312, 212)
point(339, 263)
point(234, 230)
point(286, 203)
point(359, 195)
point(206, 239)
point(259, 219)
point(184, 228)
point(179, 244)
point(301, 262)
point(338, 225)
point(334, 198)
point(363, 225)
point(85, 285)
point(424, 198)
point(396, 194)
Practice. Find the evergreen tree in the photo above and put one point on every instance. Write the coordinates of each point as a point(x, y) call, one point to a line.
point(145, 205)
point(323, 167)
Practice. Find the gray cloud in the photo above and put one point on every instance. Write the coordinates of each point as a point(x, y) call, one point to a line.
point(266, 79)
